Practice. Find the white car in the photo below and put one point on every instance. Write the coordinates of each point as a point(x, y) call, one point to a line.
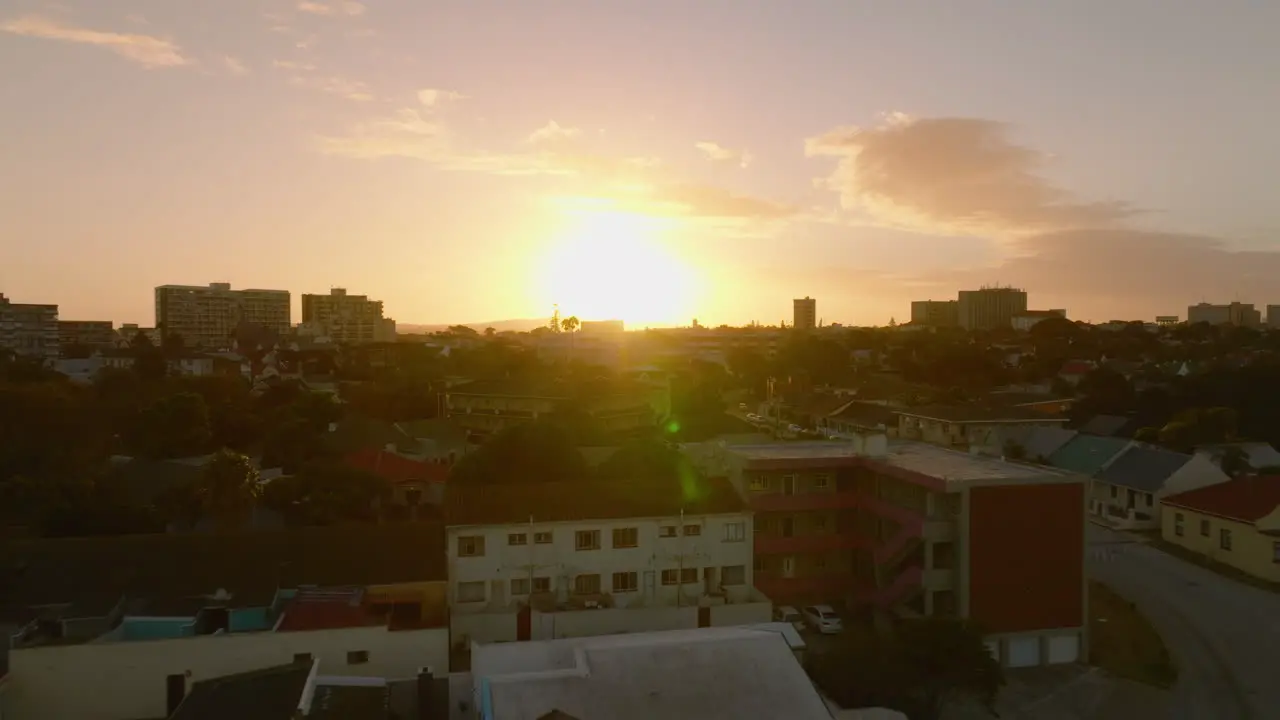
point(795, 428)
point(788, 614)
point(754, 417)
point(823, 619)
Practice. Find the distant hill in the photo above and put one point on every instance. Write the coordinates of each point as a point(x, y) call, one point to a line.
point(523, 325)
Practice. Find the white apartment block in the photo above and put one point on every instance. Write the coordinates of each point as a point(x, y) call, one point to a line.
point(207, 316)
point(347, 319)
point(29, 330)
point(522, 566)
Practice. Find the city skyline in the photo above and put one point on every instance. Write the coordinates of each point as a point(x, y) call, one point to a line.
point(312, 145)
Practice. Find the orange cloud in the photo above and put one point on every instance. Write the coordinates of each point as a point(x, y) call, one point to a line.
point(335, 8)
point(146, 50)
point(951, 176)
point(553, 132)
point(719, 153)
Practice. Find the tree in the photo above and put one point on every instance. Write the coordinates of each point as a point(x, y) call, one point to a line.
point(918, 668)
point(570, 324)
point(1233, 460)
point(648, 460)
point(490, 332)
point(172, 427)
point(533, 452)
point(227, 490)
point(325, 493)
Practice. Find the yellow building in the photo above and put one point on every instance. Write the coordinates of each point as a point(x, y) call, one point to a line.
point(1236, 523)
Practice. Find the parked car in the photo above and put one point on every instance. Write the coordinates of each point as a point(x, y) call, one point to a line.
point(754, 417)
point(823, 619)
point(788, 614)
point(795, 428)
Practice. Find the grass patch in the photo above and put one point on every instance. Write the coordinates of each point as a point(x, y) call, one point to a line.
point(1123, 642)
point(1222, 569)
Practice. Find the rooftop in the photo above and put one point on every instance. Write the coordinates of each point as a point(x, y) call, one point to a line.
point(1087, 454)
point(978, 414)
point(327, 609)
point(567, 501)
point(707, 673)
point(1247, 499)
point(396, 468)
point(1142, 467)
point(272, 693)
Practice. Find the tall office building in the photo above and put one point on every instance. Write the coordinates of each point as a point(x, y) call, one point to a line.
point(1235, 313)
point(350, 319)
point(207, 316)
point(990, 307)
point(29, 330)
point(935, 313)
point(804, 313)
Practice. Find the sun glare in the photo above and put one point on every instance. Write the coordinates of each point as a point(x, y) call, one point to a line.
point(617, 266)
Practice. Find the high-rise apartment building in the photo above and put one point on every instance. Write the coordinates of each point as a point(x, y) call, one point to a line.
point(1235, 313)
point(207, 316)
point(804, 313)
point(93, 334)
point(990, 307)
point(935, 313)
point(29, 330)
point(349, 319)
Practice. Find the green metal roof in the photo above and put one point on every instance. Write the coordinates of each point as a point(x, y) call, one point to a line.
point(1087, 454)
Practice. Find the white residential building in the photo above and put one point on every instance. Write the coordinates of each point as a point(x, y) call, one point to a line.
point(348, 319)
point(29, 330)
point(556, 560)
point(207, 316)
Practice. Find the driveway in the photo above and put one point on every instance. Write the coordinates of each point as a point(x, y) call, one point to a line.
point(1224, 636)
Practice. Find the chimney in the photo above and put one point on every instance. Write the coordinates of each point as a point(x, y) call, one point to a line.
point(426, 694)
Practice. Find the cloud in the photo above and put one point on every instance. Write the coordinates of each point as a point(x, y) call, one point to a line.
point(405, 134)
point(293, 65)
point(553, 132)
point(335, 85)
point(719, 153)
point(234, 66)
point(146, 50)
point(331, 9)
point(431, 97)
point(953, 176)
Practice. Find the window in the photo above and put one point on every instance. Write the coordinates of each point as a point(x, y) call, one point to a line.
point(669, 577)
point(1177, 524)
point(1224, 539)
point(733, 575)
point(688, 576)
point(625, 582)
point(471, 592)
point(1114, 492)
point(759, 483)
point(586, 585)
point(517, 539)
point(587, 540)
point(625, 537)
point(1275, 552)
point(357, 657)
point(471, 546)
point(542, 538)
point(667, 531)
point(302, 657)
point(735, 532)
point(520, 586)
point(692, 530)
point(821, 482)
point(1204, 528)
point(542, 584)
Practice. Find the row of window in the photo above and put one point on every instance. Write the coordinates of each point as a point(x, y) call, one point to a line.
point(590, 583)
point(1224, 535)
point(474, 546)
point(787, 483)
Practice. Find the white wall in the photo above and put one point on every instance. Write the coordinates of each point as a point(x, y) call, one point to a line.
point(126, 680)
point(561, 561)
point(1199, 472)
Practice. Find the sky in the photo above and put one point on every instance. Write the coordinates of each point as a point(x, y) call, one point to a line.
point(649, 160)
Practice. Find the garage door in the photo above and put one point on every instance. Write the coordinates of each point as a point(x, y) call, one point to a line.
point(1023, 652)
point(1064, 649)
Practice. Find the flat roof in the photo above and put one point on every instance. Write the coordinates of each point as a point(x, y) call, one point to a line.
point(952, 466)
point(702, 674)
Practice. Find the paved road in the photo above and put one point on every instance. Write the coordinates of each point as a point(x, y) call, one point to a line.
point(1225, 636)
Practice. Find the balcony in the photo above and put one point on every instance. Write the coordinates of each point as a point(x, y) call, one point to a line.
point(779, 502)
point(807, 543)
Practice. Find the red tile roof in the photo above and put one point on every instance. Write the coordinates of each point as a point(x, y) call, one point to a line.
point(396, 468)
point(560, 501)
point(1246, 499)
point(1075, 367)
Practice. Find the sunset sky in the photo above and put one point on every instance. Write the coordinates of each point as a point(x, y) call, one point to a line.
point(654, 160)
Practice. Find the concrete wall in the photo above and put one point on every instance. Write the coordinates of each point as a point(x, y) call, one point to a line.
point(126, 680)
point(488, 627)
point(501, 626)
point(1251, 551)
point(560, 561)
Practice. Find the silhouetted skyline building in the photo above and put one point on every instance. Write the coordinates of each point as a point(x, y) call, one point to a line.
point(990, 307)
point(804, 313)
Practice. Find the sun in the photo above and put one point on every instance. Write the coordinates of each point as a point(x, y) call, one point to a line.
point(609, 265)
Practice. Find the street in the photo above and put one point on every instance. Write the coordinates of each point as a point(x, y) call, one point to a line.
point(1224, 636)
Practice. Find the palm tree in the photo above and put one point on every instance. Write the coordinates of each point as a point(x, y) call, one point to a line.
point(570, 325)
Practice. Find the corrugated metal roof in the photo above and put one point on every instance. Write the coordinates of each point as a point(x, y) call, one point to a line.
point(1087, 454)
point(1143, 468)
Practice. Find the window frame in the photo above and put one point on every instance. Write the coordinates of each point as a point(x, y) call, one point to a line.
point(735, 531)
point(541, 584)
point(1179, 524)
point(693, 530)
point(578, 583)
point(544, 537)
point(1224, 539)
point(724, 575)
point(476, 543)
point(632, 576)
point(668, 531)
point(515, 590)
point(459, 595)
point(357, 657)
point(592, 535)
point(635, 538)
point(517, 539)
